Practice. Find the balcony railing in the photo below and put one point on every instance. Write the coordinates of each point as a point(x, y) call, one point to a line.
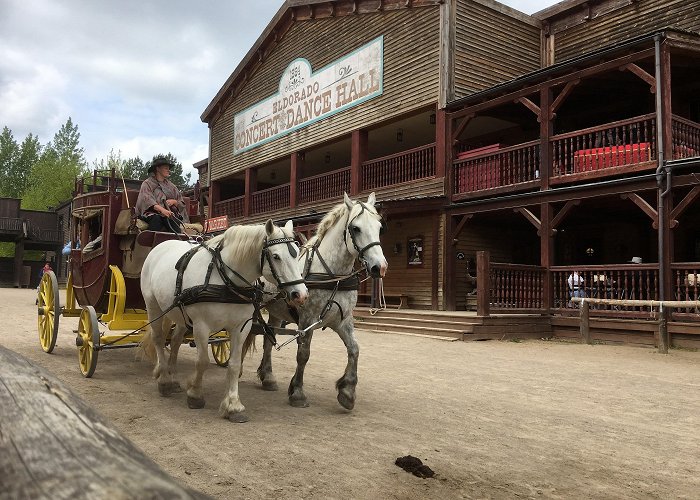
point(267, 200)
point(324, 186)
point(475, 171)
point(515, 286)
point(686, 138)
point(233, 207)
point(411, 165)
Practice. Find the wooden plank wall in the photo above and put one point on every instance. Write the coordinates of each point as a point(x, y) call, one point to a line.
point(411, 79)
point(614, 21)
point(492, 45)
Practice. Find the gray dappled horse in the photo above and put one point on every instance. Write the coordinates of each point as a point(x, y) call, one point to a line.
point(348, 232)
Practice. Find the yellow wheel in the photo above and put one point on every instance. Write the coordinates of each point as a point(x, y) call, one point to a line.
point(221, 351)
point(88, 341)
point(49, 310)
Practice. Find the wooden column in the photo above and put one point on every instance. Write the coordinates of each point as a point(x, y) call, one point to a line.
point(483, 283)
point(434, 269)
point(358, 156)
point(214, 196)
point(667, 201)
point(547, 251)
point(546, 132)
point(441, 143)
point(449, 299)
point(295, 173)
point(251, 185)
point(19, 260)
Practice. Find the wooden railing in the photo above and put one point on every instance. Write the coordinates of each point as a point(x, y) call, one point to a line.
point(12, 224)
point(616, 144)
point(515, 286)
point(233, 207)
point(685, 285)
point(411, 165)
point(267, 200)
point(506, 166)
point(686, 138)
point(622, 281)
point(324, 186)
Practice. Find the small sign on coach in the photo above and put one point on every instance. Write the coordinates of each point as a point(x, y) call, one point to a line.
point(216, 224)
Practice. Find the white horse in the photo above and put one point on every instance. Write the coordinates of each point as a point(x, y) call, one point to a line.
point(349, 231)
point(226, 265)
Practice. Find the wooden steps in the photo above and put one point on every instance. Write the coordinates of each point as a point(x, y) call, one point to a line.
point(457, 325)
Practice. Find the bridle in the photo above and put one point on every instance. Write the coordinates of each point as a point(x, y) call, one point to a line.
point(267, 255)
point(360, 250)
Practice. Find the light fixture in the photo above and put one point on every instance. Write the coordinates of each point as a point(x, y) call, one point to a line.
point(399, 135)
point(432, 119)
point(327, 158)
point(590, 251)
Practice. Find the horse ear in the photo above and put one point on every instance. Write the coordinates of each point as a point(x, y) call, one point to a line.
point(371, 199)
point(269, 227)
point(348, 201)
point(289, 226)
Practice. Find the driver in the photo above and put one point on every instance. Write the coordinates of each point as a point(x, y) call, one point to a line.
point(160, 202)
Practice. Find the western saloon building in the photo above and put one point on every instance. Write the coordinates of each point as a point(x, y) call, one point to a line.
point(501, 145)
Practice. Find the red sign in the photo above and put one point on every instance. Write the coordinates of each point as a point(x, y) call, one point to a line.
point(216, 224)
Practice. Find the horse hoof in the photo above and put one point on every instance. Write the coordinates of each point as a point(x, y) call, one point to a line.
point(299, 403)
point(167, 388)
point(238, 417)
point(269, 386)
point(345, 401)
point(195, 403)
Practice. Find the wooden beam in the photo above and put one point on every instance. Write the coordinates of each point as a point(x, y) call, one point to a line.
point(531, 106)
point(460, 226)
point(633, 68)
point(560, 98)
point(530, 217)
point(562, 213)
point(646, 208)
point(462, 126)
point(685, 202)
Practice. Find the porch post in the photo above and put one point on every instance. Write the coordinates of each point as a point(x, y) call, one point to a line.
point(358, 156)
point(546, 131)
point(448, 269)
point(441, 154)
point(546, 253)
point(483, 283)
point(251, 185)
point(448, 155)
point(19, 260)
point(665, 202)
point(295, 173)
point(214, 196)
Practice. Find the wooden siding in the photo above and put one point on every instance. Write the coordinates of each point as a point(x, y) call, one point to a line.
point(420, 188)
point(411, 79)
point(573, 36)
point(416, 282)
point(491, 47)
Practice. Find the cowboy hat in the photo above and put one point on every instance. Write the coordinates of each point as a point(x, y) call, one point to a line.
point(636, 260)
point(157, 162)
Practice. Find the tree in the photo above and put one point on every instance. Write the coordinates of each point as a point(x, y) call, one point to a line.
point(134, 168)
point(29, 154)
point(66, 143)
point(8, 156)
point(176, 176)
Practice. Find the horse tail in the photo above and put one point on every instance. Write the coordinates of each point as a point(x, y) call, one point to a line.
point(147, 348)
point(248, 344)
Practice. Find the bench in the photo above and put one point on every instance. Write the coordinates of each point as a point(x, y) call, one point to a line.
point(397, 300)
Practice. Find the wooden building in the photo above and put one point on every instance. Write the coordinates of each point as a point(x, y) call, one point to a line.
point(547, 143)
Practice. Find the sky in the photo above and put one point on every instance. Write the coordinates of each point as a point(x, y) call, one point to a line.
point(133, 75)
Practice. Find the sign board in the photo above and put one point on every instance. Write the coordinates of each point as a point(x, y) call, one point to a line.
point(216, 224)
point(305, 97)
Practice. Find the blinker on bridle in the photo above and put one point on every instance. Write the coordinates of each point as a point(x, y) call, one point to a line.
point(360, 251)
point(267, 255)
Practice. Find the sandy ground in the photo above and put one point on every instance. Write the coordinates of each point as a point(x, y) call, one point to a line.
point(535, 419)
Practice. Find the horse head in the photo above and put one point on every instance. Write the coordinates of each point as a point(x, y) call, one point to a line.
point(279, 262)
point(362, 233)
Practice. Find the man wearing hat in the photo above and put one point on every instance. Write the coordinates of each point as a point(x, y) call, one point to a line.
point(160, 202)
point(635, 260)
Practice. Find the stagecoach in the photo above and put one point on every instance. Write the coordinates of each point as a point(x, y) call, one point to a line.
point(108, 249)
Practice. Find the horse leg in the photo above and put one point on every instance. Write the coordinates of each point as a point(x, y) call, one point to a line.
point(231, 406)
point(346, 384)
point(195, 399)
point(297, 398)
point(269, 383)
point(175, 343)
point(160, 372)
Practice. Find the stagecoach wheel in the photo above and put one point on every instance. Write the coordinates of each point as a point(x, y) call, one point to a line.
point(88, 341)
point(222, 352)
point(49, 310)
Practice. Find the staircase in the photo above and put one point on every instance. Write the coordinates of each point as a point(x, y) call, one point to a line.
point(453, 325)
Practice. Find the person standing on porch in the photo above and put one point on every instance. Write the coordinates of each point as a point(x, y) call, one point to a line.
point(575, 282)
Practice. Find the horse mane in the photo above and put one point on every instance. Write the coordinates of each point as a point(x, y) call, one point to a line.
point(329, 221)
point(244, 241)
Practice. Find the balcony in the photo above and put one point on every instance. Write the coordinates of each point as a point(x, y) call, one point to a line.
point(616, 148)
point(411, 165)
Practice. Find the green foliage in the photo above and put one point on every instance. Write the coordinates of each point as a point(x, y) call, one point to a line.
point(135, 168)
point(51, 181)
point(176, 176)
point(8, 154)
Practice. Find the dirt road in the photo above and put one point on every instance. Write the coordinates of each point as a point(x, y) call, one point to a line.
point(535, 419)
